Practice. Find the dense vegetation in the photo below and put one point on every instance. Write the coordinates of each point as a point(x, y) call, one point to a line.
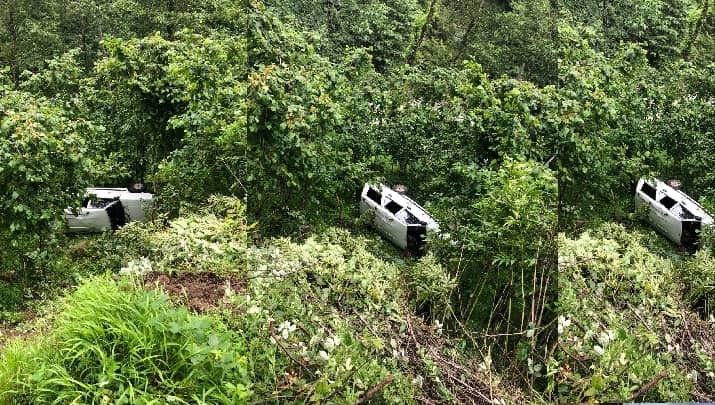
point(522, 126)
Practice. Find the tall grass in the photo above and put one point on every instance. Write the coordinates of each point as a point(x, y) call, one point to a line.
point(114, 344)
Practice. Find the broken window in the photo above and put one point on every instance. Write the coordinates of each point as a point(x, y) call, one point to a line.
point(668, 202)
point(393, 207)
point(411, 219)
point(98, 202)
point(374, 195)
point(684, 212)
point(648, 190)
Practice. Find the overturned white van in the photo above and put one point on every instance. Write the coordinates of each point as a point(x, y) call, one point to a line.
point(107, 208)
point(672, 212)
point(397, 217)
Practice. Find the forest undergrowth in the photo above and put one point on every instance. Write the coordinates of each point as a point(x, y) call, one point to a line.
point(323, 320)
point(635, 322)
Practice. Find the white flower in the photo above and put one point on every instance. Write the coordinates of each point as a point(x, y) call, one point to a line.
point(438, 326)
point(331, 343)
point(253, 310)
point(138, 268)
point(606, 337)
point(302, 349)
point(323, 355)
point(598, 349)
point(563, 323)
point(286, 328)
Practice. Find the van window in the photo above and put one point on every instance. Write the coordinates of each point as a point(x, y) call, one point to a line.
point(648, 190)
point(393, 207)
point(374, 195)
point(668, 202)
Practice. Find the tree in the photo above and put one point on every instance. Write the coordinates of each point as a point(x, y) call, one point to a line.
point(661, 25)
point(383, 27)
point(42, 172)
point(27, 34)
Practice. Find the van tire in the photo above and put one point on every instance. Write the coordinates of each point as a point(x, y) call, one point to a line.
point(137, 188)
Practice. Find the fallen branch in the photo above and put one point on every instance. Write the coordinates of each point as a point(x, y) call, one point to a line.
point(563, 349)
point(470, 389)
point(374, 390)
point(278, 342)
point(649, 385)
point(454, 366)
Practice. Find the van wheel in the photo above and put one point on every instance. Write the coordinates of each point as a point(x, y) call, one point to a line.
point(137, 187)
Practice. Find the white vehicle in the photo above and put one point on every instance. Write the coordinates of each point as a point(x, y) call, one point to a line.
point(397, 217)
point(672, 212)
point(108, 208)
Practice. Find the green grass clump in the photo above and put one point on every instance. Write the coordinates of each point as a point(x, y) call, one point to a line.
point(115, 344)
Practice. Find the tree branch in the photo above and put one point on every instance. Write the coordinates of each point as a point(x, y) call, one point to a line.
point(649, 385)
point(423, 33)
point(374, 390)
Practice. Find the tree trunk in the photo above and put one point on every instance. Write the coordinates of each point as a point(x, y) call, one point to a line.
point(14, 46)
point(465, 40)
point(696, 30)
point(423, 33)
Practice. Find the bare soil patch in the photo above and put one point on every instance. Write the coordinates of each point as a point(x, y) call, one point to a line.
point(20, 329)
point(200, 292)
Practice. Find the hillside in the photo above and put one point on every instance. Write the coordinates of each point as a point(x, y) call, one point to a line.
point(187, 312)
point(635, 319)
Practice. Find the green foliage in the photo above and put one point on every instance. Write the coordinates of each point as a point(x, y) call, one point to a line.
point(431, 287)
point(621, 321)
point(115, 344)
point(517, 41)
point(661, 25)
point(699, 279)
point(11, 297)
point(175, 108)
point(383, 28)
point(43, 170)
point(203, 241)
point(295, 168)
point(505, 222)
point(326, 291)
point(322, 321)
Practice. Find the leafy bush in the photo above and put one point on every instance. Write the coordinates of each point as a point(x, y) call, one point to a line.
point(42, 170)
point(505, 219)
point(430, 287)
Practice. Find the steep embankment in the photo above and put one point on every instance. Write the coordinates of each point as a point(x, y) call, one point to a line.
point(633, 324)
point(188, 312)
